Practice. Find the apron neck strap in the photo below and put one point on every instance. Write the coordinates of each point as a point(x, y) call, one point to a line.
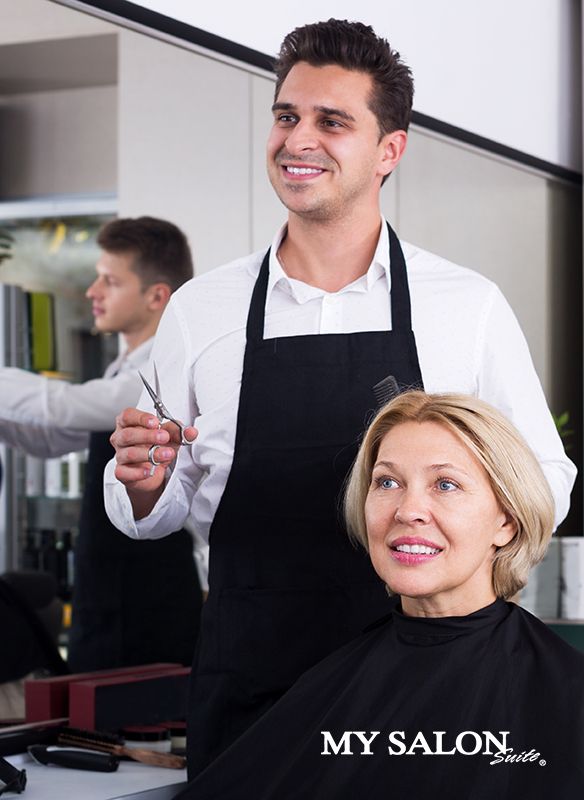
point(401, 313)
point(257, 307)
point(401, 310)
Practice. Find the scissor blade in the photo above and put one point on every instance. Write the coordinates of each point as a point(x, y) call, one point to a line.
point(156, 381)
point(149, 389)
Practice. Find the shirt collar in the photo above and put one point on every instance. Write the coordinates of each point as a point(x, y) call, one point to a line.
point(140, 354)
point(302, 292)
point(135, 359)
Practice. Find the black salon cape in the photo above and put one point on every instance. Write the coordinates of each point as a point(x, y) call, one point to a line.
point(499, 669)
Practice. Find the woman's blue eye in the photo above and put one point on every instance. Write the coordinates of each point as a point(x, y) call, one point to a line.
point(387, 483)
point(446, 486)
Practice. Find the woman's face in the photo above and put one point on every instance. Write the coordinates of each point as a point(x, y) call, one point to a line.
point(433, 521)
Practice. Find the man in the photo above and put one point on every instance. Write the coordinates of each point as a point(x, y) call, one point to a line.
point(131, 604)
point(282, 358)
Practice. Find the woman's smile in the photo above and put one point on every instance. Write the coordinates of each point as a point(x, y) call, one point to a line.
point(413, 550)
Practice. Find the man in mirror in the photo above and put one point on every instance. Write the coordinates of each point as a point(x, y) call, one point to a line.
point(131, 604)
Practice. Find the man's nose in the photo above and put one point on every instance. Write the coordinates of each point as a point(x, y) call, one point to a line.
point(93, 289)
point(302, 138)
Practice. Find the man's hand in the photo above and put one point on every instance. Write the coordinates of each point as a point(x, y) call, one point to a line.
point(136, 432)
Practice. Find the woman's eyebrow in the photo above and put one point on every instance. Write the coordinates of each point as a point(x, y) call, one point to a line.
point(447, 466)
point(386, 464)
point(431, 468)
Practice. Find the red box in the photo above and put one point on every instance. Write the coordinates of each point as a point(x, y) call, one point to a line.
point(110, 703)
point(48, 698)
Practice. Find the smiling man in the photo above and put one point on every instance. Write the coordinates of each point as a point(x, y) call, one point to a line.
point(131, 605)
point(280, 359)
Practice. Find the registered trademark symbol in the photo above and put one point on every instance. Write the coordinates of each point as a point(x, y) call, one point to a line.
point(542, 762)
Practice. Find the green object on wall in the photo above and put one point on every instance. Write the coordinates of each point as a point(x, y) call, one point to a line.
point(42, 331)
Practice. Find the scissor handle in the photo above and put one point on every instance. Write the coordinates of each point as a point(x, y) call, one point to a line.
point(179, 425)
point(183, 439)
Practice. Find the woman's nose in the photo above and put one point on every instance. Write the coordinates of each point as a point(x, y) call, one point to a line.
point(413, 507)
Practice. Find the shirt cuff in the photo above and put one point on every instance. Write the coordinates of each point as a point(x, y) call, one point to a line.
point(167, 516)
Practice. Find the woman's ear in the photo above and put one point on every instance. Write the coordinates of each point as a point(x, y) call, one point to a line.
point(506, 530)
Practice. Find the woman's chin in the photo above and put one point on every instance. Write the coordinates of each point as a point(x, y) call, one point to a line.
point(411, 587)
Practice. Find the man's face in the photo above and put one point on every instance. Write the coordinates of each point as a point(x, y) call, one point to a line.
point(119, 302)
point(324, 154)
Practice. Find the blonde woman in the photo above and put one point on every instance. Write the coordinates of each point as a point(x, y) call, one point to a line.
point(457, 693)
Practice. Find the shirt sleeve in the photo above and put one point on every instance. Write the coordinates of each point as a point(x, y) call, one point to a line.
point(171, 356)
point(42, 442)
point(507, 379)
point(31, 399)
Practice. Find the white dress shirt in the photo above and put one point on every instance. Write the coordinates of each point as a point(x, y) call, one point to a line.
point(467, 336)
point(46, 417)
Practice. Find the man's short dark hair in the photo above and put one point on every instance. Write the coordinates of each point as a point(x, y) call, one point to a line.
point(354, 46)
point(161, 250)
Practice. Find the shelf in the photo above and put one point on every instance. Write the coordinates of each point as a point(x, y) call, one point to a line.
point(53, 513)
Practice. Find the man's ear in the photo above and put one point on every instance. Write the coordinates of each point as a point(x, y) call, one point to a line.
point(392, 146)
point(158, 296)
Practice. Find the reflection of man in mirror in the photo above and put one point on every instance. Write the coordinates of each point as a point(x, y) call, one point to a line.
point(281, 358)
point(132, 604)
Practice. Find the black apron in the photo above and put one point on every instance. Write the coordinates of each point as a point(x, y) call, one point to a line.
point(286, 587)
point(134, 601)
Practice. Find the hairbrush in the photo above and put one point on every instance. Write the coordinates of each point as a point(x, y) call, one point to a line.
point(105, 742)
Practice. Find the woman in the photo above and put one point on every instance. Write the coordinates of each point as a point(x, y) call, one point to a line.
point(457, 693)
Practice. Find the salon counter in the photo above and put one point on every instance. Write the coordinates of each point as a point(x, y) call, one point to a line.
point(57, 783)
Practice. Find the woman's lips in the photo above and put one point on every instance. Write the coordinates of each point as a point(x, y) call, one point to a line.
point(413, 550)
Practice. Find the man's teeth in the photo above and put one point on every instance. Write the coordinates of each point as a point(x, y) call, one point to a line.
point(417, 548)
point(303, 170)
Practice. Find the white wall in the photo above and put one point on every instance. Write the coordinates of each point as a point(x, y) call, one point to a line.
point(61, 142)
point(184, 145)
point(35, 20)
point(508, 70)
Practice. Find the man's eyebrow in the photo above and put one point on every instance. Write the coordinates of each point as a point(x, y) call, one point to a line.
point(329, 112)
point(334, 112)
point(282, 107)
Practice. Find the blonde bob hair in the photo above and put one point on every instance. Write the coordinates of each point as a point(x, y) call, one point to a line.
point(513, 471)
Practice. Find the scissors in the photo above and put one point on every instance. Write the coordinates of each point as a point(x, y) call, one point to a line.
point(161, 410)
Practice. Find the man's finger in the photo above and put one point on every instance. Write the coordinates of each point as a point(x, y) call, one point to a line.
point(131, 456)
point(190, 433)
point(133, 417)
point(144, 477)
point(174, 431)
point(127, 437)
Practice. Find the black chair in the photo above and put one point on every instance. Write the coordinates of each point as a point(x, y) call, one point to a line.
point(30, 620)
